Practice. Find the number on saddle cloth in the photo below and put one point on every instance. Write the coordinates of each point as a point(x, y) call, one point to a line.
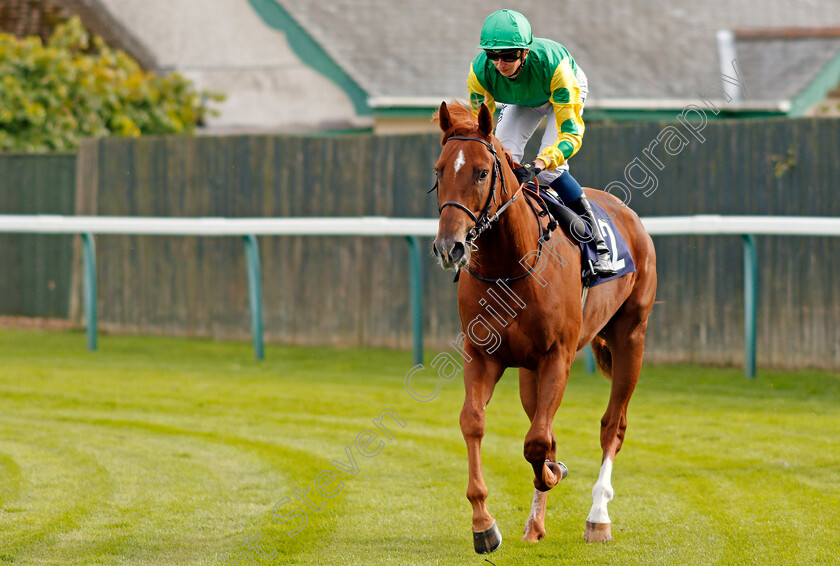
point(579, 230)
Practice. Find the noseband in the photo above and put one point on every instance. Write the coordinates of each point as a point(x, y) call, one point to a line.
point(483, 221)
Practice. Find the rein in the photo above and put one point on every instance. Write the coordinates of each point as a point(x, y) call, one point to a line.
point(484, 221)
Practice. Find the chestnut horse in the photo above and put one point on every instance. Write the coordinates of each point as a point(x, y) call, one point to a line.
point(493, 236)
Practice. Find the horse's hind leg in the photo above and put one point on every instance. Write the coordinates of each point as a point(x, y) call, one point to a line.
point(626, 349)
point(480, 379)
point(535, 524)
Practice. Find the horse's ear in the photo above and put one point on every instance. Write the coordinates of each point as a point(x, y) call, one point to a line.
point(485, 120)
point(443, 117)
point(509, 158)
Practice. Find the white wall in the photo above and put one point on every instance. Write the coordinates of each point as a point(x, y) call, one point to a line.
point(224, 46)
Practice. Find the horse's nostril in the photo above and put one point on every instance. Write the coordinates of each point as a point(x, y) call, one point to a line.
point(457, 251)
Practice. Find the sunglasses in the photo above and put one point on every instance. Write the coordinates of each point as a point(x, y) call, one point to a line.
point(506, 56)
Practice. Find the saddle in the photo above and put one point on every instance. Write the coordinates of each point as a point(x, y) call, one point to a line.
point(558, 214)
point(561, 215)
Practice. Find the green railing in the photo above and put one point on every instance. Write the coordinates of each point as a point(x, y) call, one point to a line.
point(248, 229)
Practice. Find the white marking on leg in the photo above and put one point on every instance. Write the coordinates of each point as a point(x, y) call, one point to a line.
point(535, 524)
point(536, 505)
point(460, 161)
point(602, 494)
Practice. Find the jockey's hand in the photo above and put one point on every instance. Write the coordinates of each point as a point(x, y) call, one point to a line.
point(527, 172)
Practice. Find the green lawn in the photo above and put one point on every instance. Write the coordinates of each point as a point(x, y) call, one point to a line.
point(164, 451)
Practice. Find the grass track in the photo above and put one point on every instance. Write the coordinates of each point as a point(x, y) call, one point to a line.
point(162, 451)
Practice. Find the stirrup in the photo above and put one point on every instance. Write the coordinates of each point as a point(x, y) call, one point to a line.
point(605, 267)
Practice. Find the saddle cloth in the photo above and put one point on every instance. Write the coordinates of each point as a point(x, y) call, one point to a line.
point(619, 252)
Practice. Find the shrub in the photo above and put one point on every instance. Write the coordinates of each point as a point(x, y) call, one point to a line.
point(75, 86)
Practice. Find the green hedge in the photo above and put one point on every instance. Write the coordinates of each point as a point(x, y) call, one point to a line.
point(75, 86)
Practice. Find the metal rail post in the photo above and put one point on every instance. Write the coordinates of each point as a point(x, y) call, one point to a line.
point(89, 291)
point(416, 275)
point(589, 358)
point(750, 298)
point(252, 256)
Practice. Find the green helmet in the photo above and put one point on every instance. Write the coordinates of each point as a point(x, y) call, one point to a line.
point(506, 29)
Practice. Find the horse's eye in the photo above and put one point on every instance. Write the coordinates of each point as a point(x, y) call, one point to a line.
point(483, 175)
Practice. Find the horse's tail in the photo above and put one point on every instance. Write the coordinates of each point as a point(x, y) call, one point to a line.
point(603, 356)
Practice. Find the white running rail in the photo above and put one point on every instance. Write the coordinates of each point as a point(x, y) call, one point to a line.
point(411, 229)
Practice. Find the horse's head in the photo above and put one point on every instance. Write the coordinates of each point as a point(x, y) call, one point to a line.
point(468, 170)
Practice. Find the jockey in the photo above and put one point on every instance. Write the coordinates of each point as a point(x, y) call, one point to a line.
point(532, 77)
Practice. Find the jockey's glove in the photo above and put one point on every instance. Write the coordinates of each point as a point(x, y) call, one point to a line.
point(526, 173)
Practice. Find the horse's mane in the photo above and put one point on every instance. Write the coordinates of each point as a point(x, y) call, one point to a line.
point(463, 120)
point(464, 123)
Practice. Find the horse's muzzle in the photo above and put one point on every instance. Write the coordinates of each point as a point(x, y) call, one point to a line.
point(451, 254)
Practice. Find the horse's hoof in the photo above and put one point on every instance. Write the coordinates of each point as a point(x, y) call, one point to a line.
point(487, 541)
point(597, 532)
point(552, 474)
point(559, 468)
point(533, 534)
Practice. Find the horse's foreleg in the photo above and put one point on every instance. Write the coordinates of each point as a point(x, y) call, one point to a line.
point(535, 524)
point(479, 380)
point(540, 443)
point(627, 362)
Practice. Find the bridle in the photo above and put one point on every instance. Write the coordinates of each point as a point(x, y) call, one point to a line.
point(484, 220)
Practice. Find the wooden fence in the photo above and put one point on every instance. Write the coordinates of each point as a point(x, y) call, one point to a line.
point(351, 291)
point(35, 270)
point(780, 166)
point(316, 290)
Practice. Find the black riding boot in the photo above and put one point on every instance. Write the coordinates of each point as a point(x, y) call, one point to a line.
point(604, 266)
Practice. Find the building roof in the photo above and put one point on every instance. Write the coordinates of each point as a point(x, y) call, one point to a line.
point(279, 59)
point(780, 63)
point(24, 17)
point(227, 46)
point(631, 50)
